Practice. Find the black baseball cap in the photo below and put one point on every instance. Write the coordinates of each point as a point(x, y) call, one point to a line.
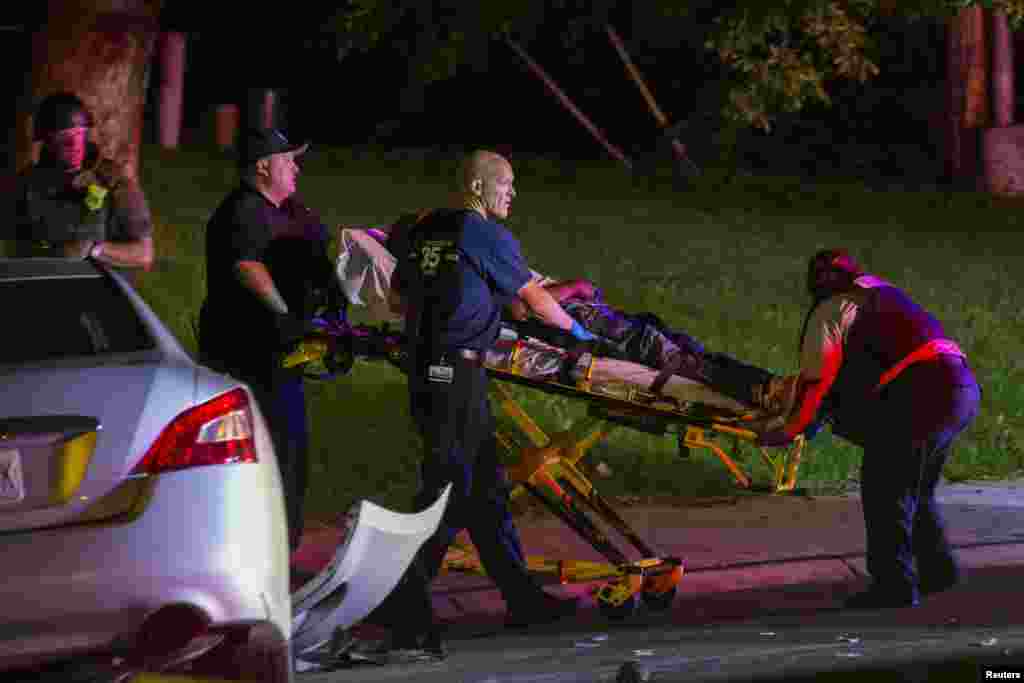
point(262, 142)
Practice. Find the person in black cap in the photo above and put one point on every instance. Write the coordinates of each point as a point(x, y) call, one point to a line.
point(267, 268)
point(75, 203)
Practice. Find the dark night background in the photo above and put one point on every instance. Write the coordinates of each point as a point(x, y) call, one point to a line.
point(880, 128)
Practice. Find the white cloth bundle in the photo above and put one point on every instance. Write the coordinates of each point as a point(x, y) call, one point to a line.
point(364, 268)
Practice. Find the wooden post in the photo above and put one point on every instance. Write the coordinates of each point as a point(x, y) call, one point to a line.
point(568, 104)
point(967, 94)
point(1003, 86)
point(977, 112)
point(269, 109)
point(226, 125)
point(172, 88)
point(678, 148)
point(1003, 144)
point(262, 108)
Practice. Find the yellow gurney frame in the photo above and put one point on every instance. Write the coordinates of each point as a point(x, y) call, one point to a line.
point(547, 468)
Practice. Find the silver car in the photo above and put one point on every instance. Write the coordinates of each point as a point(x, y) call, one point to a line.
point(142, 521)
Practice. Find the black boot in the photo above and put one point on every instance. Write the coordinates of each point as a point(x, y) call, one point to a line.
point(735, 379)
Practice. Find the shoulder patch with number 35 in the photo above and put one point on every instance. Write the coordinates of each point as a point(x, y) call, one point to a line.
point(433, 252)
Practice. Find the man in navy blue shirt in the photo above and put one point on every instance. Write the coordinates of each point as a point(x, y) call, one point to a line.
point(457, 269)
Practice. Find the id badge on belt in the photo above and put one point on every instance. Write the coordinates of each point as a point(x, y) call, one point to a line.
point(441, 372)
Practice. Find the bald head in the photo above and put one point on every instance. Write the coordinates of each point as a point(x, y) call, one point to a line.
point(486, 180)
point(480, 165)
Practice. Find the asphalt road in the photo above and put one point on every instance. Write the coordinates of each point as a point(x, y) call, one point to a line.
point(783, 631)
point(954, 636)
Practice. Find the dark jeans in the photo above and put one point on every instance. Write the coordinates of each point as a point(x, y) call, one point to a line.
point(282, 400)
point(460, 448)
point(919, 415)
point(283, 403)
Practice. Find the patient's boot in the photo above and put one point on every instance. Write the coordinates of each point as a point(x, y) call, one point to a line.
point(778, 396)
point(736, 379)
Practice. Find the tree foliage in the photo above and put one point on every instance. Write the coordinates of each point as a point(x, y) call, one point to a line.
point(782, 53)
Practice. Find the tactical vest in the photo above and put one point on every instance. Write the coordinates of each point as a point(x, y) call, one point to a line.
point(434, 286)
point(54, 213)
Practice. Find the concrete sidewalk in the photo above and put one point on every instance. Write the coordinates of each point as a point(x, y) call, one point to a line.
point(809, 547)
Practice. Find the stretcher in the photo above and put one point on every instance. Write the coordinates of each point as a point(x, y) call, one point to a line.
point(546, 466)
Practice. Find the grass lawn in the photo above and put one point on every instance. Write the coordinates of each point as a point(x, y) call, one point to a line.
point(726, 263)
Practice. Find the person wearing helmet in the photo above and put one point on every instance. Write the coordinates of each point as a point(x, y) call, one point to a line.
point(75, 203)
point(890, 380)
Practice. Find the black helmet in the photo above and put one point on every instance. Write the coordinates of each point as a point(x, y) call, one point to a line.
point(831, 271)
point(58, 112)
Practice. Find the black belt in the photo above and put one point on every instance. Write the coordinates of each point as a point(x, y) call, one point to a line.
point(472, 355)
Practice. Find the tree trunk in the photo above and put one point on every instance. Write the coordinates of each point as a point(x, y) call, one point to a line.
point(1003, 90)
point(263, 108)
point(172, 88)
point(99, 50)
point(226, 125)
point(966, 78)
point(975, 67)
point(1004, 142)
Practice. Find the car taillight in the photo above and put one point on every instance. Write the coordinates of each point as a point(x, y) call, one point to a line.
point(218, 432)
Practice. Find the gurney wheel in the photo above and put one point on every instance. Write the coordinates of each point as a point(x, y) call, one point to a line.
point(659, 602)
point(619, 612)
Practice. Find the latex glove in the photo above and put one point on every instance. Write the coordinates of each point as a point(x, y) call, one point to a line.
point(581, 333)
point(815, 428)
point(776, 438)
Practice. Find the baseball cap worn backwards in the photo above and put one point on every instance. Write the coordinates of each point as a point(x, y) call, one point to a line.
point(263, 142)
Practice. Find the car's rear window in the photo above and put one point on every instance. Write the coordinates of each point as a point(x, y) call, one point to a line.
point(67, 316)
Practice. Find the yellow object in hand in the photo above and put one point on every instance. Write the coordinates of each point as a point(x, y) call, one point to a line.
point(95, 196)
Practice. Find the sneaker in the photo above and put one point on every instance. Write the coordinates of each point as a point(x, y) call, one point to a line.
point(409, 648)
point(417, 655)
point(548, 610)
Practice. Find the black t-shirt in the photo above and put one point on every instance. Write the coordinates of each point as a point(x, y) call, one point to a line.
point(237, 330)
point(297, 260)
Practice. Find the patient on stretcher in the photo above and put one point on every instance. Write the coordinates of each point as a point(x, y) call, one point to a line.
point(644, 338)
point(640, 349)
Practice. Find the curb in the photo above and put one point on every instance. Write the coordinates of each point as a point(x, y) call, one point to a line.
point(809, 580)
